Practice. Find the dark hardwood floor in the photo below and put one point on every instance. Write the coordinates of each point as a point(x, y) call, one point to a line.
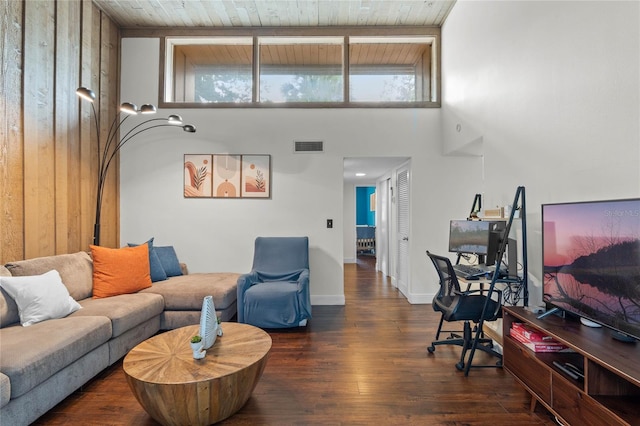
point(362, 363)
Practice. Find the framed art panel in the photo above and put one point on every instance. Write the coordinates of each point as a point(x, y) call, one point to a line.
point(256, 176)
point(197, 175)
point(226, 176)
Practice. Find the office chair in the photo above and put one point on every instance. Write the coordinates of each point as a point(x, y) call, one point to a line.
point(466, 306)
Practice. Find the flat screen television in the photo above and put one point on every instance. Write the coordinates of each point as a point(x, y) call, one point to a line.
point(591, 261)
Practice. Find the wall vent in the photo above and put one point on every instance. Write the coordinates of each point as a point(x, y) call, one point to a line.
point(308, 146)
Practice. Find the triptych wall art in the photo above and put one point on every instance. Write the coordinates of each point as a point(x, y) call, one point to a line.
point(227, 176)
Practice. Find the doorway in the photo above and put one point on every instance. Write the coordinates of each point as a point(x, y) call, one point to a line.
point(381, 173)
point(366, 221)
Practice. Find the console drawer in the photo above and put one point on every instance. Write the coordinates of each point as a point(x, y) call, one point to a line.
point(577, 408)
point(522, 363)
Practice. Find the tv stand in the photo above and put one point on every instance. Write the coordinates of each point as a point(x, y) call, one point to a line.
point(621, 337)
point(589, 323)
point(549, 312)
point(609, 392)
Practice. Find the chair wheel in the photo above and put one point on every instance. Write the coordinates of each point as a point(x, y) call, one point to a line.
point(431, 349)
point(460, 366)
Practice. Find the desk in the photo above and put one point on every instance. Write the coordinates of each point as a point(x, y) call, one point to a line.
point(176, 389)
point(512, 288)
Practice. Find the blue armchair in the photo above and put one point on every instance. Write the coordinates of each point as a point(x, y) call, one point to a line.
point(275, 294)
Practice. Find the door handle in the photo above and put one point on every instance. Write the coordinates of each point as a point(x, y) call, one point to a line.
point(405, 238)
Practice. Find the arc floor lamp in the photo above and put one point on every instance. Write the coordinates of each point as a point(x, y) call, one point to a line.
point(112, 145)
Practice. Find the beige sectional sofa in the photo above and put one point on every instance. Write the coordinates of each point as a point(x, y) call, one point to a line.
point(43, 363)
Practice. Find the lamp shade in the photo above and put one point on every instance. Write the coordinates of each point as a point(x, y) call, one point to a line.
point(148, 109)
point(175, 119)
point(129, 108)
point(86, 94)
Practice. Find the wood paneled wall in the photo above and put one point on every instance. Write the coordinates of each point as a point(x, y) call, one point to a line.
point(49, 149)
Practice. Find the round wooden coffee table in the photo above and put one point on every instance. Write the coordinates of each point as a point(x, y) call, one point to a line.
point(176, 389)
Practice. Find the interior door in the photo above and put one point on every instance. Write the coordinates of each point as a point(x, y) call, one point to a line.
point(403, 231)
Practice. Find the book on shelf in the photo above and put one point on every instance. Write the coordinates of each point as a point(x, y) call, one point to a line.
point(531, 334)
point(545, 346)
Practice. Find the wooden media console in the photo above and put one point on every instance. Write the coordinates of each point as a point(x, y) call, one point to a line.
point(609, 393)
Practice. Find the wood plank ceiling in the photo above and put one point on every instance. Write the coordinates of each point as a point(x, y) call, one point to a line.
point(383, 53)
point(275, 13)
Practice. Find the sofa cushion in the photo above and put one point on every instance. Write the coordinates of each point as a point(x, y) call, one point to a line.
point(5, 390)
point(155, 267)
point(125, 311)
point(185, 292)
point(169, 260)
point(8, 307)
point(75, 270)
point(31, 355)
point(4, 272)
point(39, 297)
point(120, 271)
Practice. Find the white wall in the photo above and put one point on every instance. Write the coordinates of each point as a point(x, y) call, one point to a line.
point(549, 93)
point(218, 235)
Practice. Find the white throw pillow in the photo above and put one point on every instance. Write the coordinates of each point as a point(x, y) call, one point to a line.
point(39, 297)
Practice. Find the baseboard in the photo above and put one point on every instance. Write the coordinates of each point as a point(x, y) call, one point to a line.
point(328, 300)
point(403, 289)
point(420, 299)
point(350, 260)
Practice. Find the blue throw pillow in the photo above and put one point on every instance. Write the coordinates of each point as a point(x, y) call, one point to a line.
point(169, 260)
point(155, 266)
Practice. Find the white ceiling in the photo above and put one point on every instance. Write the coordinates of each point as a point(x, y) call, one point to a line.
point(275, 13)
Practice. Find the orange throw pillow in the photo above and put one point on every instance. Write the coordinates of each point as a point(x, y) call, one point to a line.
point(120, 271)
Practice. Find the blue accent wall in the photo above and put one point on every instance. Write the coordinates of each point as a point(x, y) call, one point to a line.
point(364, 215)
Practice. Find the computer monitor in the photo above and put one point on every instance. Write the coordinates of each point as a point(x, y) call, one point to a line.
point(469, 237)
point(476, 237)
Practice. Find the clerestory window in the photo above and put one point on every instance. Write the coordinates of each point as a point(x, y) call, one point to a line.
point(390, 69)
point(209, 70)
point(301, 70)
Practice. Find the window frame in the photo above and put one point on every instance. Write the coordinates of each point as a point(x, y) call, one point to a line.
point(166, 35)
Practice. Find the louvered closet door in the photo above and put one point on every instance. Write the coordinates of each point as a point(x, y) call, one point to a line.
point(383, 225)
point(403, 228)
